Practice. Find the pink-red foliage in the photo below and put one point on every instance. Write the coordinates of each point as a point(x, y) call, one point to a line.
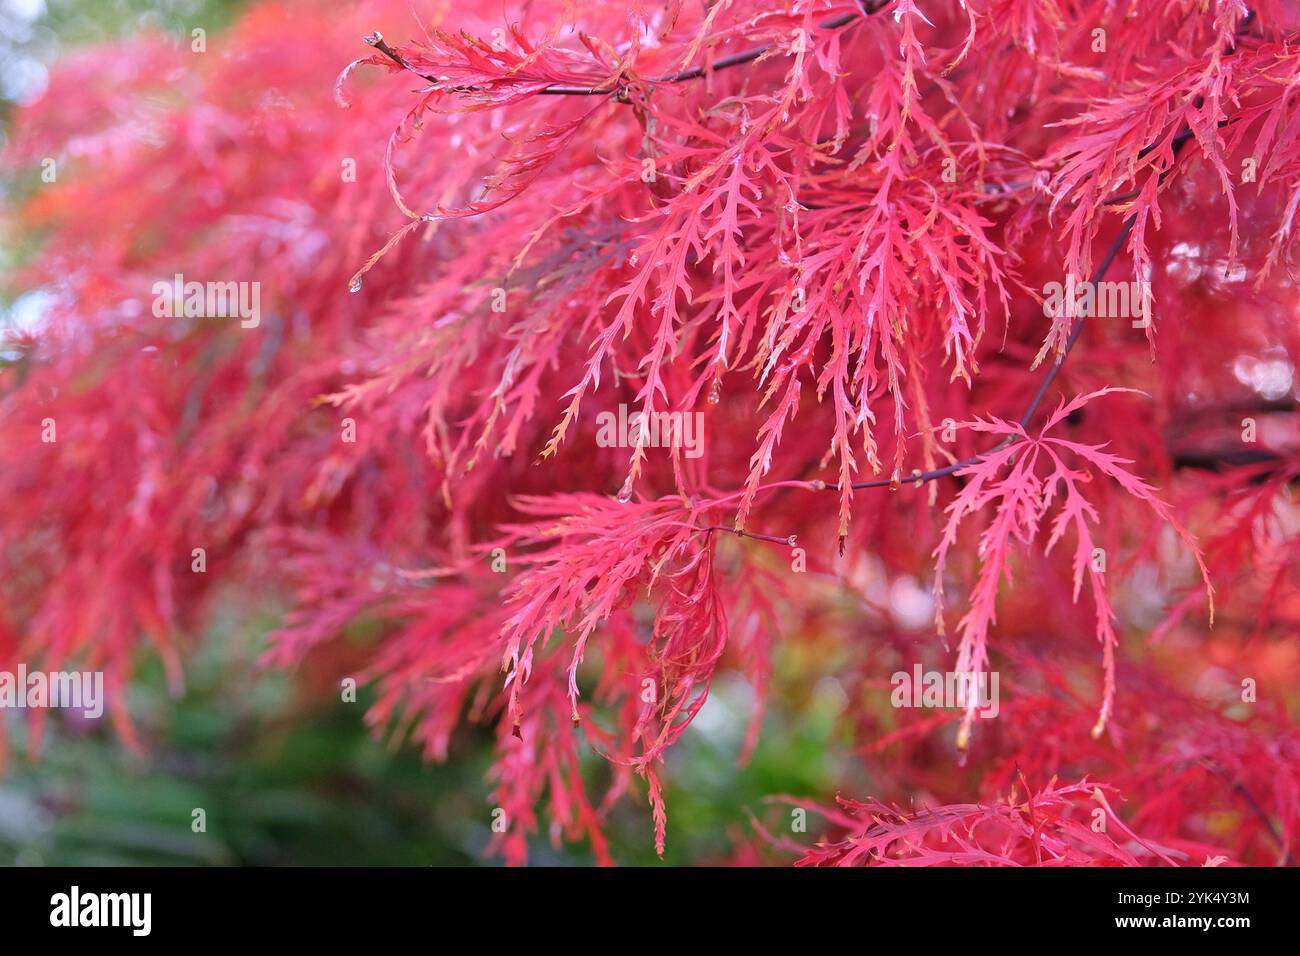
point(823, 226)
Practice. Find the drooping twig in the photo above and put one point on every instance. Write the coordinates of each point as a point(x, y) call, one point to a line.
point(738, 532)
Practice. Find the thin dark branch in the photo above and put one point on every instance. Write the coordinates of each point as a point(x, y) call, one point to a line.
point(749, 56)
point(774, 539)
point(1244, 792)
point(377, 41)
point(869, 7)
point(1055, 369)
point(921, 477)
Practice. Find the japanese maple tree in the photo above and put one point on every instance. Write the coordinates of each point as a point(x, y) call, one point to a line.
point(828, 231)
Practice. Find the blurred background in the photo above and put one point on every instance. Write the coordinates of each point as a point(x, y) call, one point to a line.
point(287, 776)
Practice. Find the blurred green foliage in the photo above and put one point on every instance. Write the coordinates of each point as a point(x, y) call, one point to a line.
point(280, 781)
point(287, 780)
